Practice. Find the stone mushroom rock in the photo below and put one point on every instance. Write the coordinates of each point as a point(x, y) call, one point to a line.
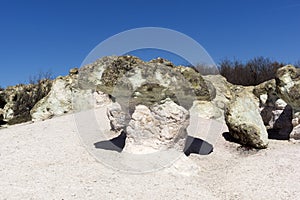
point(244, 122)
point(154, 91)
point(288, 85)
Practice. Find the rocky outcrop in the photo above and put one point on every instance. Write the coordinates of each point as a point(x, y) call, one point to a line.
point(275, 112)
point(129, 78)
point(17, 101)
point(244, 122)
point(288, 85)
point(65, 96)
point(151, 98)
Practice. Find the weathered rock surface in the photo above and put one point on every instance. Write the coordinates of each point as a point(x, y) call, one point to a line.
point(296, 119)
point(17, 101)
point(126, 77)
point(160, 127)
point(65, 96)
point(117, 117)
point(288, 85)
point(244, 122)
point(214, 109)
point(295, 134)
point(275, 112)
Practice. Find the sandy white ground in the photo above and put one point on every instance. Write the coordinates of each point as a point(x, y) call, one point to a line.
point(46, 160)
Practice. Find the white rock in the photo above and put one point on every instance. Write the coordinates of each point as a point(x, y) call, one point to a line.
point(162, 127)
point(280, 104)
point(295, 134)
point(263, 98)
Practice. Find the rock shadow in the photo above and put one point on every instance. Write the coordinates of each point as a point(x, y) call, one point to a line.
point(197, 146)
point(228, 137)
point(2, 122)
point(114, 144)
point(283, 125)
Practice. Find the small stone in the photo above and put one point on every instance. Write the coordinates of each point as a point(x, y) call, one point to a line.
point(280, 104)
point(73, 71)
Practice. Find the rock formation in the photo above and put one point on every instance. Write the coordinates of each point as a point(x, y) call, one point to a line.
point(295, 134)
point(152, 98)
point(154, 101)
point(17, 101)
point(288, 85)
point(65, 96)
point(244, 122)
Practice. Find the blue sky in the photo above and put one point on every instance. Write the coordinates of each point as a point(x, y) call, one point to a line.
point(57, 35)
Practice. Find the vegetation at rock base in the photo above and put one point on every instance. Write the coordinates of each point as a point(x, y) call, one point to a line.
point(26, 98)
point(22, 98)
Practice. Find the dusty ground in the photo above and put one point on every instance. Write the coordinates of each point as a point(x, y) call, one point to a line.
point(46, 160)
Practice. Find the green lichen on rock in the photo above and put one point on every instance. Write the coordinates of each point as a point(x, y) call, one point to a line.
point(199, 86)
point(147, 82)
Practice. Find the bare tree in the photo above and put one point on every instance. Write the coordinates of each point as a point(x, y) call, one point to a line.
point(253, 72)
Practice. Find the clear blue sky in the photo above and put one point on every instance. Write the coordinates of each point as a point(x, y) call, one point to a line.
point(57, 35)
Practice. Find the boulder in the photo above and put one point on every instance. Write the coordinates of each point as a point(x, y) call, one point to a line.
point(276, 113)
point(160, 127)
point(288, 85)
point(295, 134)
point(214, 109)
point(206, 110)
point(279, 112)
point(243, 119)
point(73, 71)
point(281, 125)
